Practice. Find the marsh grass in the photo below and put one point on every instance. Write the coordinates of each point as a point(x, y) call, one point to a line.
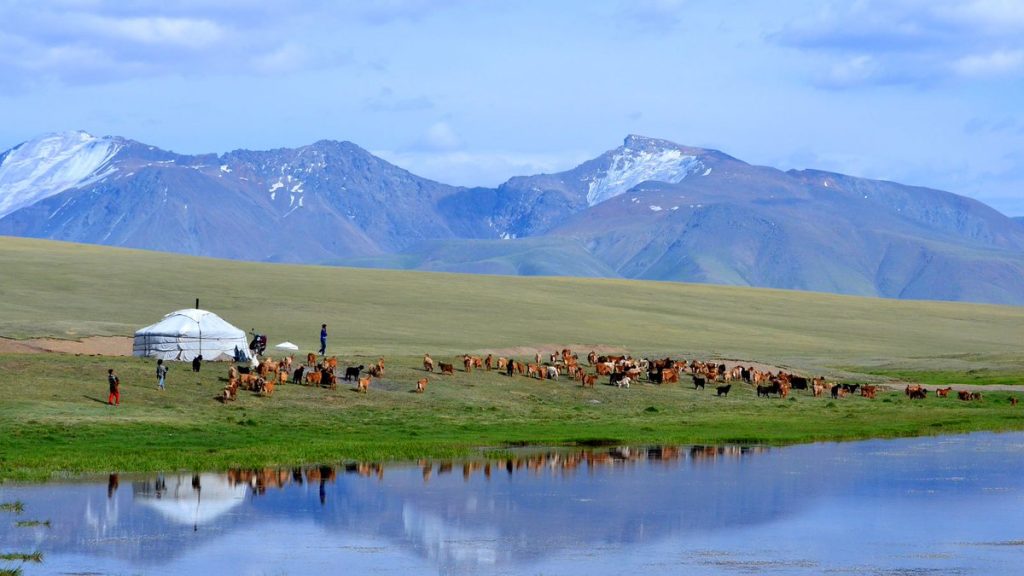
point(36, 557)
point(17, 507)
point(32, 523)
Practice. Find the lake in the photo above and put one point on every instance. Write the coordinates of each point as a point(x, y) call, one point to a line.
point(938, 505)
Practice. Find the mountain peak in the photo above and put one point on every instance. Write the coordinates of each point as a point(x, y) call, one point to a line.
point(54, 142)
point(645, 143)
point(641, 159)
point(51, 163)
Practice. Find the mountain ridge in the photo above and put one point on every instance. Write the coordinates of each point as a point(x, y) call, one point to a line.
point(648, 209)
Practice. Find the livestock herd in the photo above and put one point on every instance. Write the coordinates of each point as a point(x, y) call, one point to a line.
point(268, 374)
point(621, 371)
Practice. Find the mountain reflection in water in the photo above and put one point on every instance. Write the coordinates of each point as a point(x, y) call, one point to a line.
point(805, 509)
point(529, 460)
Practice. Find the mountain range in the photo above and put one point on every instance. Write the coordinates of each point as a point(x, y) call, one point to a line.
point(649, 209)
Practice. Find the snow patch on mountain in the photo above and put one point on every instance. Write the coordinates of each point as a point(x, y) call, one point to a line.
point(630, 166)
point(52, 164)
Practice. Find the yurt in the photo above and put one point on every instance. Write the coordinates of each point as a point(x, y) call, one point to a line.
point(192, 500)
point(185, 334)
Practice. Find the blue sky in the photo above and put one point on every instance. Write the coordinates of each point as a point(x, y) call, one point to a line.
point(927, 92)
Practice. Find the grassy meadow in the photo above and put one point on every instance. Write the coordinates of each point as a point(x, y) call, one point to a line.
point(54, 420)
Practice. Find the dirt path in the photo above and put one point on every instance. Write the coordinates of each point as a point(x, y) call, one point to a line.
point(91, 346)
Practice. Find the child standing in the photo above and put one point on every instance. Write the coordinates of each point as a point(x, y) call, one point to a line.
point(161, 373)
point(114, 399)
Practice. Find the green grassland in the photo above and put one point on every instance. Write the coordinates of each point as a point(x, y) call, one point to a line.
point(54, 420)
point(943, 378)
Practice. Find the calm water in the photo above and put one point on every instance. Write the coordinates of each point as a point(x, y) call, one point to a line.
point(945, 505)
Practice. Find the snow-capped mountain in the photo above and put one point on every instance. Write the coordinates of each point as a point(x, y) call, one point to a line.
point(648, 209)
point(51, 164)
point(532, 205)
point(640, 160)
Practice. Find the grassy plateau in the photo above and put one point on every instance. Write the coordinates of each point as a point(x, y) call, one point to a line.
point(54, 420)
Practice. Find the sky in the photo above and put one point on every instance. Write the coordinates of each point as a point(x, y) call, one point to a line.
point(924, 92)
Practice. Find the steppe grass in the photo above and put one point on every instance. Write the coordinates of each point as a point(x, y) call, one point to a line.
point(70, 291)
point(56, 421)
point(941, 378)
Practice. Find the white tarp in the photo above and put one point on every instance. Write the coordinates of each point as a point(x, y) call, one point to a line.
point(286, 346)
point(185, 334)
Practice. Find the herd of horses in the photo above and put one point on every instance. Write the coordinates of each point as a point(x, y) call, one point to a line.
point(621, 371)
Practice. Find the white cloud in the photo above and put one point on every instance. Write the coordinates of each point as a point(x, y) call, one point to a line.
point(853, 71)
point(995, 63)
point(149, 38)
point(865, 42)
point(283, 59)
point(994, 15)
point(441, 136)
point(184, 32)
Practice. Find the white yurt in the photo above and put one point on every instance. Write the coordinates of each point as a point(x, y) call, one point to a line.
point(185, 334)
point(190, 500)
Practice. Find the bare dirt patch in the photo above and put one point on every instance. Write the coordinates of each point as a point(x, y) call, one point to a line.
point(91, 346)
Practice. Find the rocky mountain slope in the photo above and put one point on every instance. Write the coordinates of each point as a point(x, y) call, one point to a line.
point(648, 209)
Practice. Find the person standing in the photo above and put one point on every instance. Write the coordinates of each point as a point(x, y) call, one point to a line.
point(114, 399)
point(161, 373)
point(323, 339)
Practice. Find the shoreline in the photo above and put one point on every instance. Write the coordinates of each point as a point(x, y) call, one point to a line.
point(56, 422)
point(478, 454)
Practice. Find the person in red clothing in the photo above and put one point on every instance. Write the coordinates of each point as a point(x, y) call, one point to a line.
point(115, 388)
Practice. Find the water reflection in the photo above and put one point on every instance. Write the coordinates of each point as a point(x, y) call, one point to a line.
point(857, 507)
point(561, 461)
point(190, 500)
